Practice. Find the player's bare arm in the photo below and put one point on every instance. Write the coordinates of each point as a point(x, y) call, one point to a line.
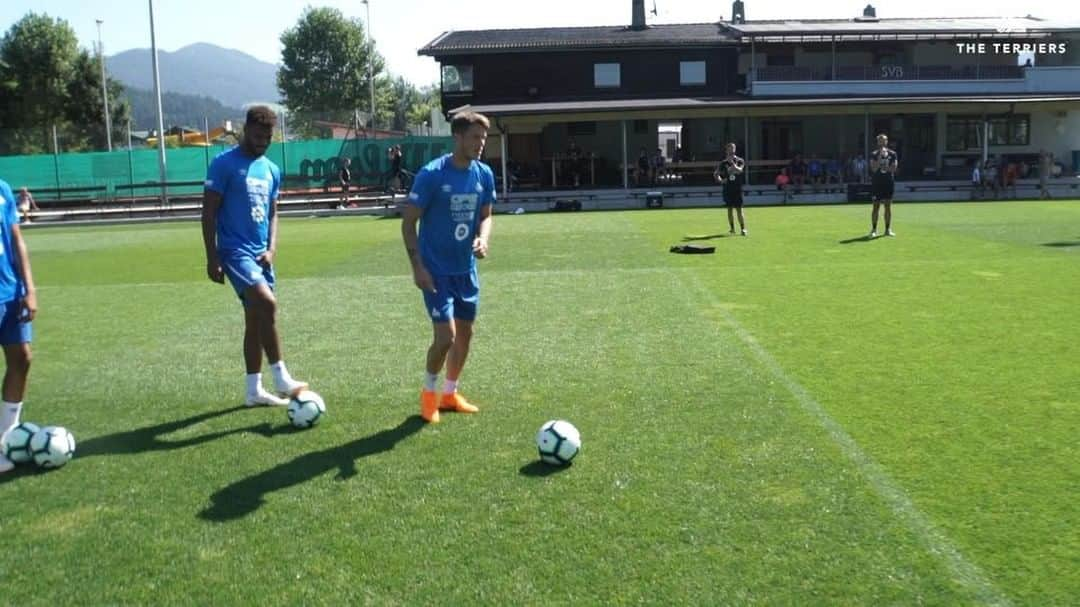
point(421, 276)
point(211, 205)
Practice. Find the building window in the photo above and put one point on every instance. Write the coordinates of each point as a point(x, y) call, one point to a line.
point(1009, 130)
point(580, 129)
point(457, 78)
point(606, 75)
point(966, 132)
point(691, 73)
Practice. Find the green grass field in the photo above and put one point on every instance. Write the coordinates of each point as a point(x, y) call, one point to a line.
point(804, 418)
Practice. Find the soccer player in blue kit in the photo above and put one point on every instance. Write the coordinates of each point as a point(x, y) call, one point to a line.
point(18, 306)
point(240, 226)
point(452, 199)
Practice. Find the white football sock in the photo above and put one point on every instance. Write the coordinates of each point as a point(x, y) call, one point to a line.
point(431, 380)
point(449, 386)
point(254, 381)
point(281, 374)
point(9, 416)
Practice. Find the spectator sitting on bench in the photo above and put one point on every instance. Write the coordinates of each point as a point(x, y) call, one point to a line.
point(860, 169)
point(797, 172)
point(834, 172)
point(1008, 178)
point(26, 203)
point(816, 172)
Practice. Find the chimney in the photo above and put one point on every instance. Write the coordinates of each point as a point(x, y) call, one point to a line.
point(738, 12)
point(869, 12)
point(638, 22)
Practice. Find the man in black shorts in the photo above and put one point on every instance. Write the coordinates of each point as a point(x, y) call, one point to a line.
point(883, 164)
point(730, 173)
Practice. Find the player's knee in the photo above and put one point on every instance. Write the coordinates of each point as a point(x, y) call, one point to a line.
point(19, 360)
point(444, 340)
point(265, 306)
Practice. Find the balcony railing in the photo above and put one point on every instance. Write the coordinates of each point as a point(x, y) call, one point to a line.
point(888, 73)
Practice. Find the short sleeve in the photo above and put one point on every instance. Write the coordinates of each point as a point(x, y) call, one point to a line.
point(489, 188)
point(11, 215)
point(420, 195)
point(217, 176)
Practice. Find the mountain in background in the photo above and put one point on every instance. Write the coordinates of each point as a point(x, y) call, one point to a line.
point(178, 109)
point(231, 77)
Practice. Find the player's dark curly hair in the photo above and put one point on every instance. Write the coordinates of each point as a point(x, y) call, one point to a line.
point(261, 115)
point(463, 120)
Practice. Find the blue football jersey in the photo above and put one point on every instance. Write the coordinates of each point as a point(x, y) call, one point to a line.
point(248, 187)
point(451, 200)
point(11, 286)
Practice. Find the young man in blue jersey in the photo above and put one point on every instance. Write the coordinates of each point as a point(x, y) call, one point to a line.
point(452, 199)
point(18, 306)
point(240, 225)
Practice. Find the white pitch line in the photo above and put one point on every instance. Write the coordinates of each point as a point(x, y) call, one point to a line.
point(938, 544)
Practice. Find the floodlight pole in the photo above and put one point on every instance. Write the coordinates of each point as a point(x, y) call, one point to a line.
point(104, 87)
point(163, 176)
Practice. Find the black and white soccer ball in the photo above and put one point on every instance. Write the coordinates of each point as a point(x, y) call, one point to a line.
point(306, 408)
point(558, 442)
point(52, 446)
point(16, 446)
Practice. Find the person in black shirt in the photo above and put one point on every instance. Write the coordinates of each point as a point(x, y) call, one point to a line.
point(344, 178)
point(883, 164)
point(730, 173)
point(395, 167)
point(643, 166)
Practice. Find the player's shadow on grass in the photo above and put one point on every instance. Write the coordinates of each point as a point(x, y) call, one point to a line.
point(863, 238)
point(245, 496)
point(709, 237)
point(538, 468)
point(1064, 244)
point(149, 438)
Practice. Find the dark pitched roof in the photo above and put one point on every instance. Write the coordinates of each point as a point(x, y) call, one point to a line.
point(610, 36)
point(913, 25)
point(713, 34)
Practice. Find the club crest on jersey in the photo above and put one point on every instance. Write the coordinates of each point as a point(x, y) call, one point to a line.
point(461, 232)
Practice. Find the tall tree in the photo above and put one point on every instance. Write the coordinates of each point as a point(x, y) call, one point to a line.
point(86, 111)
point(46, 81)
point(325, 67)
point(40, 55)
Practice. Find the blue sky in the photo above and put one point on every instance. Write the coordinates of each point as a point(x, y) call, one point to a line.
point(402, 26)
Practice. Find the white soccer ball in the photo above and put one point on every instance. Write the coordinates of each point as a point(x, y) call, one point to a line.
point(16, 445)
point(558, 442)
point(52, 446)
point(306, 409)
